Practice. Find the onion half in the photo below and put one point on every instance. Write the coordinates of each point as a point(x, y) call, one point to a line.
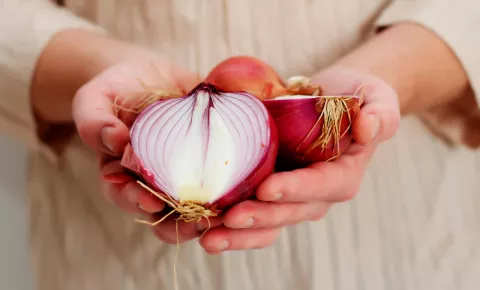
point(207, 150)
point(312, 128)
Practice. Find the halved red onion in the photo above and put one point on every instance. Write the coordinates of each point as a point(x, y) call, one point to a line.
point(312, 128)
point(208, 147)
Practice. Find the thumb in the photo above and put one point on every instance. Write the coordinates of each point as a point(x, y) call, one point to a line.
point(96, 122)
point(379, 119)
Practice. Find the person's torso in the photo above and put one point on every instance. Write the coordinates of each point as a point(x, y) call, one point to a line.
point(381, 240)
point(298, 36)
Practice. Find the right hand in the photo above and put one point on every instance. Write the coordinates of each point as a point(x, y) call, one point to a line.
point(107, 132)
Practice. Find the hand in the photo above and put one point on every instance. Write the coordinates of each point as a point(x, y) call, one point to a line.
point(288, 198)
point(107, 131)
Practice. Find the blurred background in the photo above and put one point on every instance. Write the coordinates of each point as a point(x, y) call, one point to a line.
point(15, 271)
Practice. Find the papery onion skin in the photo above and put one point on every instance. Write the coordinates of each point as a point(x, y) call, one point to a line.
point(295, 119)
point(243, 190)
point(248, 74)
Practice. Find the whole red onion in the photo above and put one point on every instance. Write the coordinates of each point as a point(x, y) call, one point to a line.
point(249, 74)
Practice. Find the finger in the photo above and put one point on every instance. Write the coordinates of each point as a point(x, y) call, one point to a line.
point(221, 239)
point(259, 214)
point(96, 121)
point(132, 198)
point(165, 75)
point(124, 189)
point(172, 231)
point(379, 119)
point(119, 194)
point(325, 181)
point(112, 171)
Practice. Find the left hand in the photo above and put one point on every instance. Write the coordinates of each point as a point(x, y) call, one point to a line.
point(288, 198)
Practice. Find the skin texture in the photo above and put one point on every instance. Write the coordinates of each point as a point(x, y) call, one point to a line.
point(405, 69)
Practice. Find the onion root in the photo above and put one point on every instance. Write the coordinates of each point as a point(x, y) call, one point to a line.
point(188, 211)
point(150, 96)
point(331, 110)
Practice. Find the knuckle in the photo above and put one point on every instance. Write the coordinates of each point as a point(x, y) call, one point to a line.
point(247, 205)
point(264, 243)
point(350, 194)
point(393, 116)
point(391, 122)
point(290, 181)
point(85, 130)
point(317, 212)
point(276, 218)
point(261, 246)
point(318, 215)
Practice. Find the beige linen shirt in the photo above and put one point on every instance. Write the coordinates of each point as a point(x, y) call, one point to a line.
point(414, 225)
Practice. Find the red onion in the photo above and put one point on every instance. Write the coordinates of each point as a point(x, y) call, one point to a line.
point(312, 128)
point(210, 148)
point(248, 74)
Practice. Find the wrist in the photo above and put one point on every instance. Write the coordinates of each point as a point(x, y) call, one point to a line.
point(70, 59)
point(381, 57)
point(416, 63)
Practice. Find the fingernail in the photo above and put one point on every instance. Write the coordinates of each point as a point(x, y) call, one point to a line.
point(223, 245)
point(375, 124)
point(276, 196)
point(248, 223)
point(105, 140)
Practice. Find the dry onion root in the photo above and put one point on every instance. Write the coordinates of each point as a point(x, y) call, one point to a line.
point(136, 104)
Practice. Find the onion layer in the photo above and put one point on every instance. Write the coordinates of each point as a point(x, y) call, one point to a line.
point(209, 149)
point(312, 128)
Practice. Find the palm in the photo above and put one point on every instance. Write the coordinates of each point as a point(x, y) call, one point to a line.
point(368, 131)
point(106, 107)
point(291, 197)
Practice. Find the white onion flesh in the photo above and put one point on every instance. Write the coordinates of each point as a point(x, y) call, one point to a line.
point(200, 147)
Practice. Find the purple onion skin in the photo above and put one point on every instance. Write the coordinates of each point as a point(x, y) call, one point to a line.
point(135, 165)
point(242, 191)
point(295, 119)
